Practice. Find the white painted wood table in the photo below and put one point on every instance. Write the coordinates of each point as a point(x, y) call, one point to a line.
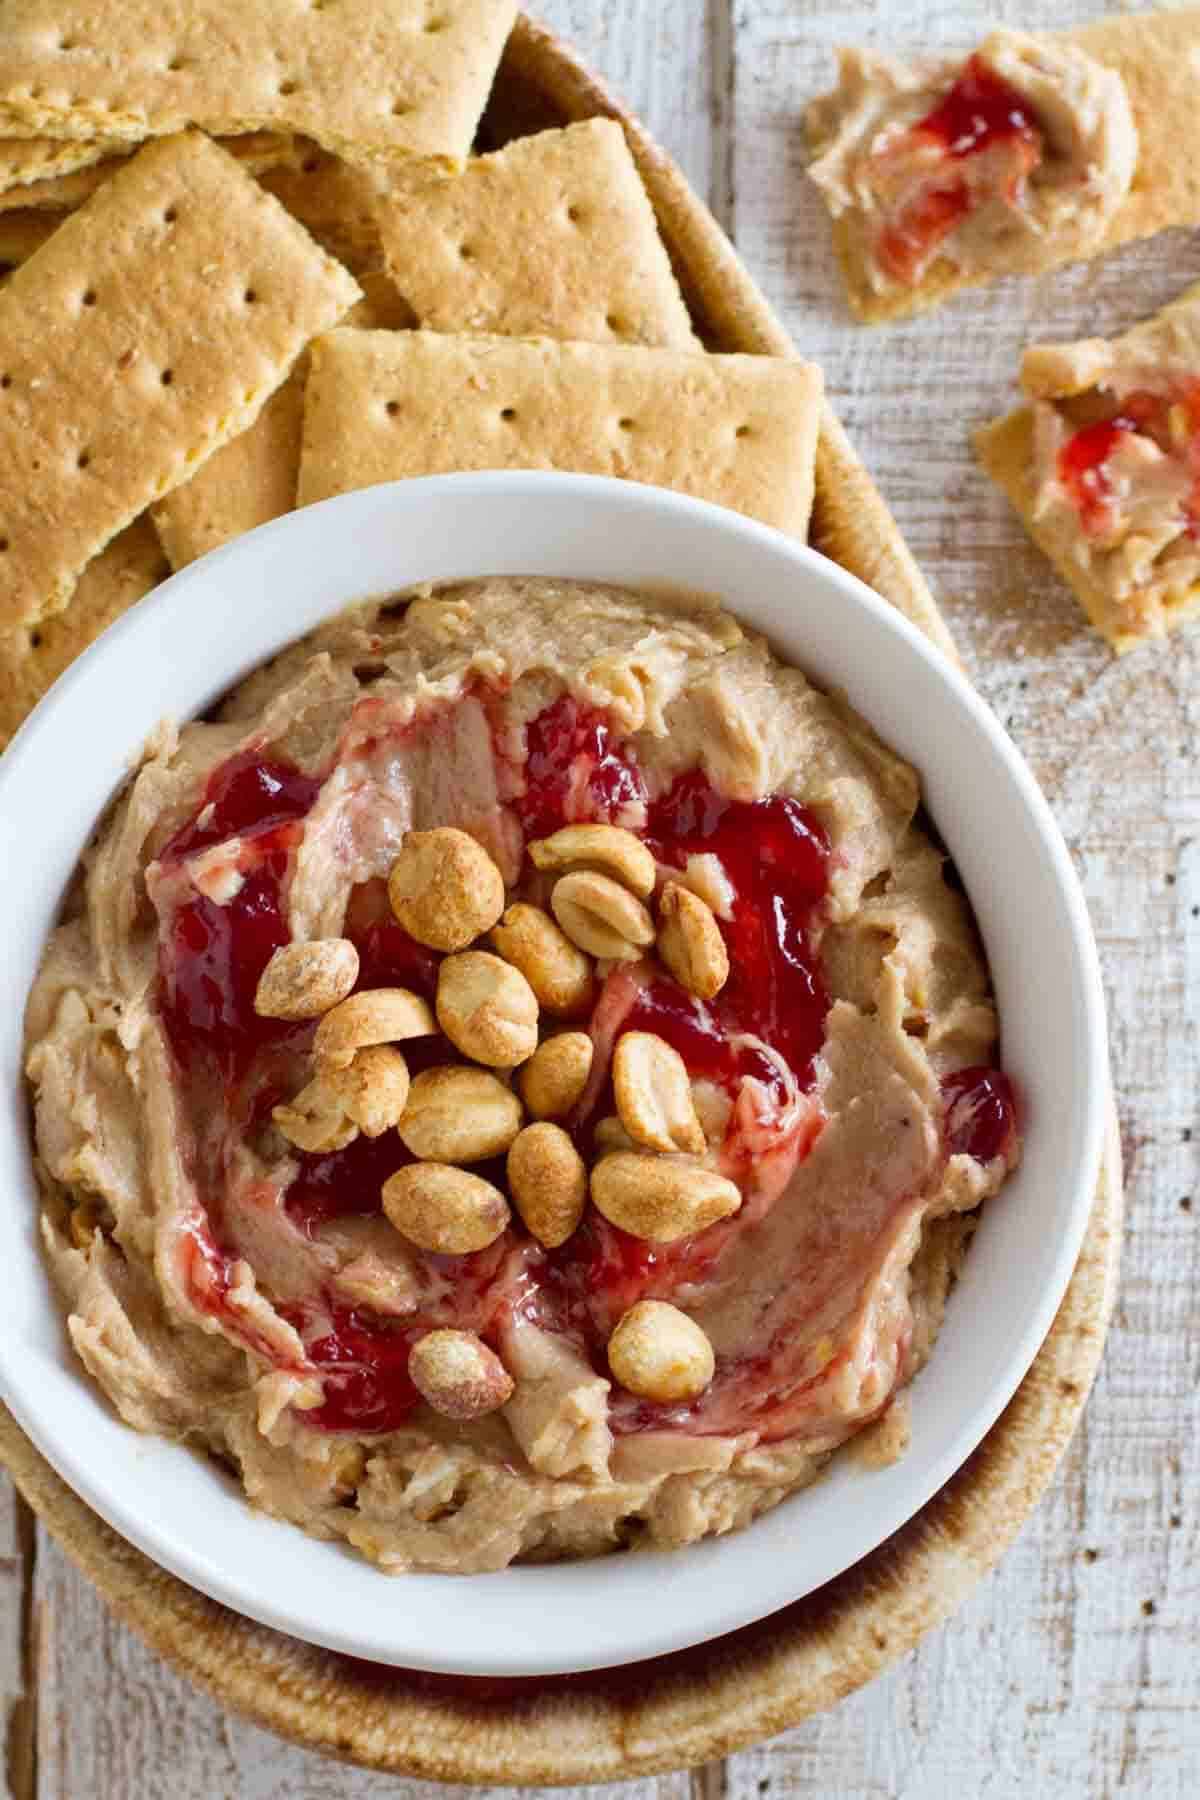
point(1074, 1671)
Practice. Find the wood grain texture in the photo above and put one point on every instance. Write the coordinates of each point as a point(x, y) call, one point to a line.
point(1068, 1673)
point(1071, 1672)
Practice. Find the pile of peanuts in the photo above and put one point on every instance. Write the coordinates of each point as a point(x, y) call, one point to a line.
point(506, 1010)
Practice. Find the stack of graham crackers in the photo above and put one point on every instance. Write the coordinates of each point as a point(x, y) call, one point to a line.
point(254, 264)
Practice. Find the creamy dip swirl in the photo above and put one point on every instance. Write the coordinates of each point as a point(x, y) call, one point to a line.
point(223, 1286)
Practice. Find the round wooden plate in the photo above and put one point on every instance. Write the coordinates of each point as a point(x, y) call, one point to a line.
point(708, 1702)
point(665, 1714)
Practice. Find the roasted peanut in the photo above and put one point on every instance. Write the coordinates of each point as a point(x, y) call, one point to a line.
point(444, 888)
point(610, 1135)
point(443, 1209)
point(372, 1089)
point(704, 874)
point(659, 1198)
point(553, 1079)
point(376, 1016)
point(654, 1095)
point(316, 1120)
point(713, 1108)
point(487, 1009)
point(459, 1115)
point(456, 1373)
point(302, 981)
point(386, 1285)
point(660, 1354)
point(690, 942)
point(606, 848)
point(601, 916)
point(559, 973)
point(548, 1182)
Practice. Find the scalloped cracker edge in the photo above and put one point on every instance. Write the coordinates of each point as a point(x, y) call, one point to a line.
point(737, 430)
point(1158, 57)
point(143, 335)
point(28, 159)
point(379, 78)
point(552, 236)
point(257, 151)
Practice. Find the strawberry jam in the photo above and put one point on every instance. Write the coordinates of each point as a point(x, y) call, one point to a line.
point(776, 857)
point(980, 113)
point(1083, 471)
point(364, 1367)
point(344, 1183)
point(573, 772)
point(767, 1023)
point(980, 110)
point(981, 1114)
point(218, 953)
point(1083, 460)
point(248, 796)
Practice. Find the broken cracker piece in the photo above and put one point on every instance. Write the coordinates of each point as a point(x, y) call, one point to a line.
point(24, 160)
point(31, 660)
point(253, 478)
point(552, 236)
point(143, 335)
point(739, 430)
point(257, 151)
point(357, 75)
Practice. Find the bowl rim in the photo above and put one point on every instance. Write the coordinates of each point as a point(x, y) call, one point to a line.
point(654, 1638)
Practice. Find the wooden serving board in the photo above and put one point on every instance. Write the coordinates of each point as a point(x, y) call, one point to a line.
point(690, 1708)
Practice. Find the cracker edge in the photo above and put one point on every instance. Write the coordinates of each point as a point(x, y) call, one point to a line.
point(943, 279)
point(1004, 450)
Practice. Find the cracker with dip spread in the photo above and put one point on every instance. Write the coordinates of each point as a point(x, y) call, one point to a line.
point(1103, 467)
point(739, 430)
point(942, 173)
point(144, 334)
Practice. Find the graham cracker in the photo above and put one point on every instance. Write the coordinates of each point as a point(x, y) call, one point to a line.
point(28, 159)
point(336, 201)
point(257, 151)
point(24, 231)
point(1005, 448)
point(253, 478)
point(32, 660)
point(739, 430)
point(145, 334)
point(405, 76)
point(552, 236)
point(1157, 55)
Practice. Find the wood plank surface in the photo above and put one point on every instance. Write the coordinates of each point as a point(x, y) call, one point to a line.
point(1073, 1671)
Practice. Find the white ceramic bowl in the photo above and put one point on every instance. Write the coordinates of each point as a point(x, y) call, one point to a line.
point(210, 625)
